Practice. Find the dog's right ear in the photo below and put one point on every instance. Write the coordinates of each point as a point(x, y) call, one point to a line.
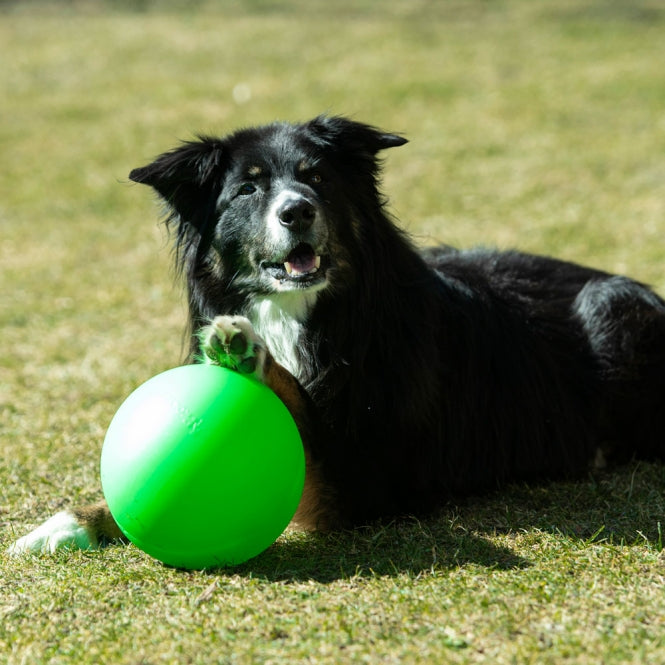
point(187, 176)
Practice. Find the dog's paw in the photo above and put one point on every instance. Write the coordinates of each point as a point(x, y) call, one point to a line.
point(230, 341)
point(59, 532)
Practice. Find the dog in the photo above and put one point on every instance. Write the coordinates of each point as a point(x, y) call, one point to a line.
point(414, 376)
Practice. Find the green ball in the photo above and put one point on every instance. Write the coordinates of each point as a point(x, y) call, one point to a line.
point(202, 467)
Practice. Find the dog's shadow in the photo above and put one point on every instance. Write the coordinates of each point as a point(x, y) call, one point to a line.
point(407, 546)
point(624, 507)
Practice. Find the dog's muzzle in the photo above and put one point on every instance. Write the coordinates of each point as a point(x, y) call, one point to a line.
point(298, 228)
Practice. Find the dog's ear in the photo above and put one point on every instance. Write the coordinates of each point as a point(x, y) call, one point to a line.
point(187, 176)
point(353, 136)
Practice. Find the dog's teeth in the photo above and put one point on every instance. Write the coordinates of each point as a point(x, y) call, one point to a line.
point(290, 270)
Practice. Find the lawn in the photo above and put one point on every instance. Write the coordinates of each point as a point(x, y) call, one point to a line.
point(538, 125)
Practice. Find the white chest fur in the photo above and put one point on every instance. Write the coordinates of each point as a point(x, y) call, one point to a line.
point(279, 321)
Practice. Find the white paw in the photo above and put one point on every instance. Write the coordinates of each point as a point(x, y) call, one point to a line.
point(60, 531)
point(230, 341)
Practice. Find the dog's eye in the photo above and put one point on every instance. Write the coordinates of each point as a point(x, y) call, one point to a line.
point(315, 179)
point(246, 189)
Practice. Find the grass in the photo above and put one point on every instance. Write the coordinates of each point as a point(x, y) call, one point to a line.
point(539, 125)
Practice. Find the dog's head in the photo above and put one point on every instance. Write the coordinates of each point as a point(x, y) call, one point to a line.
point(273, 209)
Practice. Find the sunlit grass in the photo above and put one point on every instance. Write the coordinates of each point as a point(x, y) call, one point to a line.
point(538, 125)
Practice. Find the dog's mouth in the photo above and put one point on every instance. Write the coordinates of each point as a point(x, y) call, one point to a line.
point(301, 267)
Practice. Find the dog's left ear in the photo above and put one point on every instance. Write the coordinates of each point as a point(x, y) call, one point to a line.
point(353, 136)
point(186, 176)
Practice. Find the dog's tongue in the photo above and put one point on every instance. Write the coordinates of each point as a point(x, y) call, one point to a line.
point(302, 260)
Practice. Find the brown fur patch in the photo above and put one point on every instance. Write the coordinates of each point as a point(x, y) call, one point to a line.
point(316, 510)
point(97, 520)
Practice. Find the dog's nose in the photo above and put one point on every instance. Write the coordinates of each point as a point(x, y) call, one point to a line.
point(296, 215)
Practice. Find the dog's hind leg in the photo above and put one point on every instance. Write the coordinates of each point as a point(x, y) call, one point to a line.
point(624, 323)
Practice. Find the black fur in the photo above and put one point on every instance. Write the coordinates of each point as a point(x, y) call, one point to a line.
point(432, 373)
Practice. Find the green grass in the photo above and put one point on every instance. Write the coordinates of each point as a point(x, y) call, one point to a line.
point(538, 125)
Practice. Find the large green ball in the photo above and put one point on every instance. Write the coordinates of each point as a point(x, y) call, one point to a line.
point(202, 467)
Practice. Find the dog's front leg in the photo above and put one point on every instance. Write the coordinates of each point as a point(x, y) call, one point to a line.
point(230, 341)
point(84, 528)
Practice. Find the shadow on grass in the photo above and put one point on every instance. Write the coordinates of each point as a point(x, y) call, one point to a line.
point(408, 547)
point(624, 507)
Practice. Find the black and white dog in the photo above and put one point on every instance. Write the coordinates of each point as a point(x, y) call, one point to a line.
point(413, 375)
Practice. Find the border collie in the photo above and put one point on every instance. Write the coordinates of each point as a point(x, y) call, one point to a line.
point(413, 375)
